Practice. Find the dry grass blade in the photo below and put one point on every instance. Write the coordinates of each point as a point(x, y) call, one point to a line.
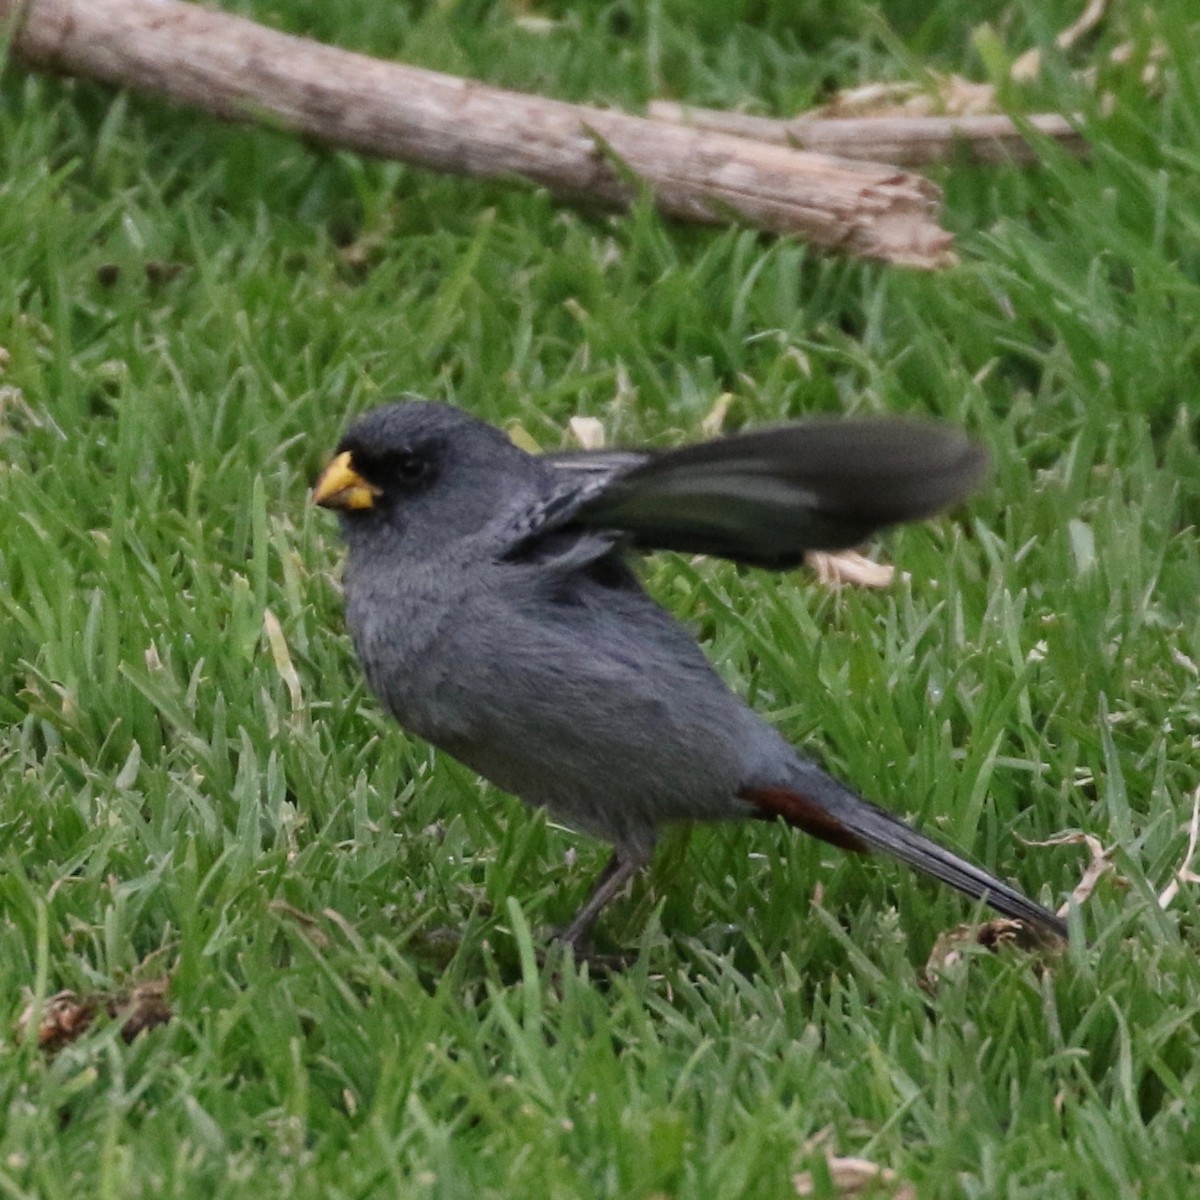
point(1100, 864)
point(849, 567)
point(856, 1177)
point(308, 924)
point(1185, 874)
point(1030, 63)
point(1087, 20)
point(283, 660)
point(588, 432)
point(713, 422)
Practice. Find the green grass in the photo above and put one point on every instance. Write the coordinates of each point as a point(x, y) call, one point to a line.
point(350, 922)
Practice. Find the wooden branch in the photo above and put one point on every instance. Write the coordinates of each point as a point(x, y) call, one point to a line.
point(237, 69)
point(909, 141)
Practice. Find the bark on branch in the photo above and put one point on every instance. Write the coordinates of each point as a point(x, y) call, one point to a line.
point(239, 70)
point(908, 141)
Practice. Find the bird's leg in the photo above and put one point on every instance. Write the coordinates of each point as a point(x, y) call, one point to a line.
point(617, 872)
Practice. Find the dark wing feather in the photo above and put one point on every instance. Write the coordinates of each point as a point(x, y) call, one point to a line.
point(592, 464)
point(764, 498)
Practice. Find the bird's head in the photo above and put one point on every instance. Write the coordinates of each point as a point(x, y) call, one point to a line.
point(415, 465)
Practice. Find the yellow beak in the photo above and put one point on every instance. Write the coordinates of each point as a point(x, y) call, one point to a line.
point(341, 486)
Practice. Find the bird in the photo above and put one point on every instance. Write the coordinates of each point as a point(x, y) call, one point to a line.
point(492, 600)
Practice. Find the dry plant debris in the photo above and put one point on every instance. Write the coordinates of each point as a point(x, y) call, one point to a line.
point(949, 950)
point(856, 1177)
point(1185, 873)
point(1028, 65)
point(849, 567)
point(937, 95)
point(588, 432)
point(1100, 864)
point(64, 1017)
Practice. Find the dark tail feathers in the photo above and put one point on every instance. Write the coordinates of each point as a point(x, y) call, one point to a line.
point(821, 806)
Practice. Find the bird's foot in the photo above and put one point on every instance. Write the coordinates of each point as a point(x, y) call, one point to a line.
point(582, 953)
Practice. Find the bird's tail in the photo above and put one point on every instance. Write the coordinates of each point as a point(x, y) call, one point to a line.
point(815, 802)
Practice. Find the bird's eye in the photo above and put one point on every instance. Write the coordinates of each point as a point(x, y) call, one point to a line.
point(410, 469)
point(399, 469)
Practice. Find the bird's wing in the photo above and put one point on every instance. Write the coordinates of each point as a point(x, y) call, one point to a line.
point(596, 464)
point(764, 498)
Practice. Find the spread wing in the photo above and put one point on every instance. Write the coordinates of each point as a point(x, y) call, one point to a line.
point(764, 498)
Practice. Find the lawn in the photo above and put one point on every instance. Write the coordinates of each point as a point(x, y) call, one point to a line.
point(195, 786)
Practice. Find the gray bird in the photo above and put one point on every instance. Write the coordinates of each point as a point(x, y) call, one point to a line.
point(495, 613)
